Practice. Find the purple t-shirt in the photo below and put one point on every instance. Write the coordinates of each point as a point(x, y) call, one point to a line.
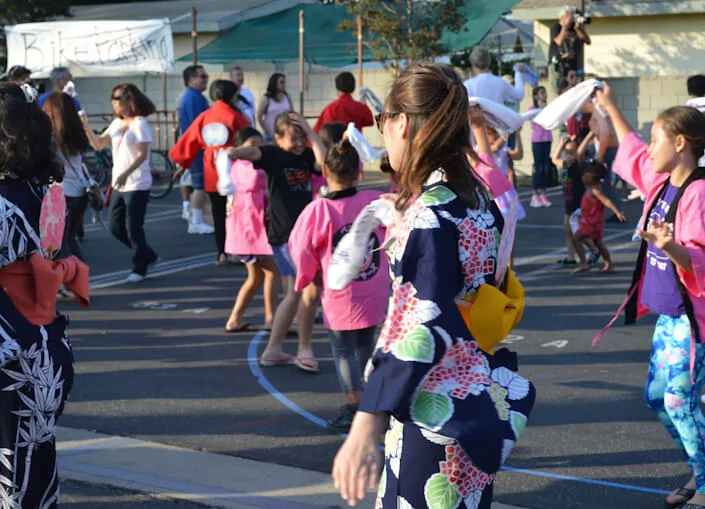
point(659, 290)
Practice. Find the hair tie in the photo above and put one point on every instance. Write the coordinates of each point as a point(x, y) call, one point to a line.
point(30, 93)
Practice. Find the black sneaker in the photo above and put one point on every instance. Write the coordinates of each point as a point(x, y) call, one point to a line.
point(566, 261)
point(344, 420)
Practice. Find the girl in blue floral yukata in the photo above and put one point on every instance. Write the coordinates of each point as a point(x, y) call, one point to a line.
point(453, 411)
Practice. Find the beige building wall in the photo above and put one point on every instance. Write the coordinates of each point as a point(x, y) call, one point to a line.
point(94, 92)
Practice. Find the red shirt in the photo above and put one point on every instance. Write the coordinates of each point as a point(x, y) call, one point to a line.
point(192, 142)
point(345, 109)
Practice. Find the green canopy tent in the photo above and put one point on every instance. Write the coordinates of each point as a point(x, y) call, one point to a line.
point(274, 38)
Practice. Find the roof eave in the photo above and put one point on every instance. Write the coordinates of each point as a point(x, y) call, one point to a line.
point(617, 9)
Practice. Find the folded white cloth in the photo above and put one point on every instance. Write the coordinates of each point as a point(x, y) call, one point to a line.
point(366, 151)
point(504, 119)
point(697, 102)
point(528, 74)
point(370, 98)
point(350, 253)
point(225, 185)
point(528, 116)
point(570, 102)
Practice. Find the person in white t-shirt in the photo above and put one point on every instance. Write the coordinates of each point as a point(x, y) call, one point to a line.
point(246, 100)
point(488, 86)
point(129, 137)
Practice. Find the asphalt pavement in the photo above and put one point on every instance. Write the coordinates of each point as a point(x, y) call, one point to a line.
point(153, 362)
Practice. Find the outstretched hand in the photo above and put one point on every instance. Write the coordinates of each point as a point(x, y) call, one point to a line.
point(659, 234)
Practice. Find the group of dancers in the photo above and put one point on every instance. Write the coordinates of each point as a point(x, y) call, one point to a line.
point(436, 378)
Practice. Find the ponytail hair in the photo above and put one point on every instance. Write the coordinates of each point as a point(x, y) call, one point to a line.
point(435, 101)
point(343, 161)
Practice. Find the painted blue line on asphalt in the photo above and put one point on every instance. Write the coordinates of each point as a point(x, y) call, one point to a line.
point(267, 386)
point(586, 481)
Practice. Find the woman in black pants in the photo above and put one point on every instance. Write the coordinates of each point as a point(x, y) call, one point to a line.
point(71, 141)
point(130, 137)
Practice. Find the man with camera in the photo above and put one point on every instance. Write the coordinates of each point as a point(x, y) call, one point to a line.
point(568, 37)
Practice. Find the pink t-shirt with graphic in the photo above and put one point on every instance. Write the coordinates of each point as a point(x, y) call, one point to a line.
point(319, 228)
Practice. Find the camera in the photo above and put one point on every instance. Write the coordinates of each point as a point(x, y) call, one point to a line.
point(579, 18)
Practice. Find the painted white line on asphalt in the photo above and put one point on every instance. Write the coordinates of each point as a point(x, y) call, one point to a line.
point(550, 268)
point(166, 263)
point(109, 284)
point(556, 227)
point(558, 252)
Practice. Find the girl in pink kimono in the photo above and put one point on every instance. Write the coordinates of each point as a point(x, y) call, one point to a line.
point(670, 274)
point(246, 236)
point(353, 313)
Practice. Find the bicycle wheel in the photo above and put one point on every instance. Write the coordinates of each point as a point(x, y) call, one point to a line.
point(162, 173)
point(100, 166)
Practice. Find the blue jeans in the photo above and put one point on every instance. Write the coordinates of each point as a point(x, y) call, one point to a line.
point(542, 164)
point(671, 394)
point(351, 351)
point(127, 211)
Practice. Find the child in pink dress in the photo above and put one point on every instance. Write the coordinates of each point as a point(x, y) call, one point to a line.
point(353, 313)
point(592, 220)
point(246, 236)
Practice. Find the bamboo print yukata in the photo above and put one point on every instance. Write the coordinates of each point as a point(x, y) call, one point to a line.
point(36, 375)
point(456, 412)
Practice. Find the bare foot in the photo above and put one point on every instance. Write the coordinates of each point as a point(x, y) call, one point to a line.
point(607, 269)
point(584, 267)
point(674, 498)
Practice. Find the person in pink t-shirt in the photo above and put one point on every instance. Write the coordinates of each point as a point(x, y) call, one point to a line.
point(353, 313)
point(246, 236)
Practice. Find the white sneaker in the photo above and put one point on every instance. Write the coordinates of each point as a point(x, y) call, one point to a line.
point(200, 228)
point(134, 278)
point(535, 202)
point(186, 214)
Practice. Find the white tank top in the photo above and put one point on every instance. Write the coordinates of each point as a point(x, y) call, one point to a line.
point(274, 109)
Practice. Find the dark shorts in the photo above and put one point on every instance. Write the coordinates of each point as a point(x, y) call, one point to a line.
point(196, 171)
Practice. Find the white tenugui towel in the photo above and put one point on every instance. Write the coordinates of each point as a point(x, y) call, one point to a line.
point(504, 119)
point(570, 102)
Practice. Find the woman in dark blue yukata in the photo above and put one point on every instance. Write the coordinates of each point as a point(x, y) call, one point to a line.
point(453, 411)
point(36, 363)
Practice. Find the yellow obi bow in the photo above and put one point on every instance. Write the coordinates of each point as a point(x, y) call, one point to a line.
point(494, 313)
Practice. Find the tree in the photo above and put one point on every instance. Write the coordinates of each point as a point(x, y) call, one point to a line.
point(23, 11)
point(411, 30)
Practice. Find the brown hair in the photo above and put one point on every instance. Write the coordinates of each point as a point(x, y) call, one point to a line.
point(331, 133)
point(343, 161)
point(283, 121)
point(66, 124)
point(137, 104)
point(27, 149)
point(534, 92)
point(434, 99)
point(687, 122)
point(384, 164)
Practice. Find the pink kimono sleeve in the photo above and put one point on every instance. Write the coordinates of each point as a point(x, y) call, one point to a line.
point(690, 227)
point(632, 163)
point(490, 173)
point(303, 242)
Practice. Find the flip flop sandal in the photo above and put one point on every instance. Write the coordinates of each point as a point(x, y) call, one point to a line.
point(246, 327)
point(287, 360)
point(306, 363)
point(687, 494)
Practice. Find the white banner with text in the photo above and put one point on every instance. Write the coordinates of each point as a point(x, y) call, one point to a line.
point(92, 46)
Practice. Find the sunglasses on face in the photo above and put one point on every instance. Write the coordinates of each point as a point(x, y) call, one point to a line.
point(381, 118)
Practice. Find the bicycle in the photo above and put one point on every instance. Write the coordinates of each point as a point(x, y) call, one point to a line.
point(100, 165)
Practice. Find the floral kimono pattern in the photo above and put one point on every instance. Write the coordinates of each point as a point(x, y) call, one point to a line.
point(36, 374)
point(456, 411)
